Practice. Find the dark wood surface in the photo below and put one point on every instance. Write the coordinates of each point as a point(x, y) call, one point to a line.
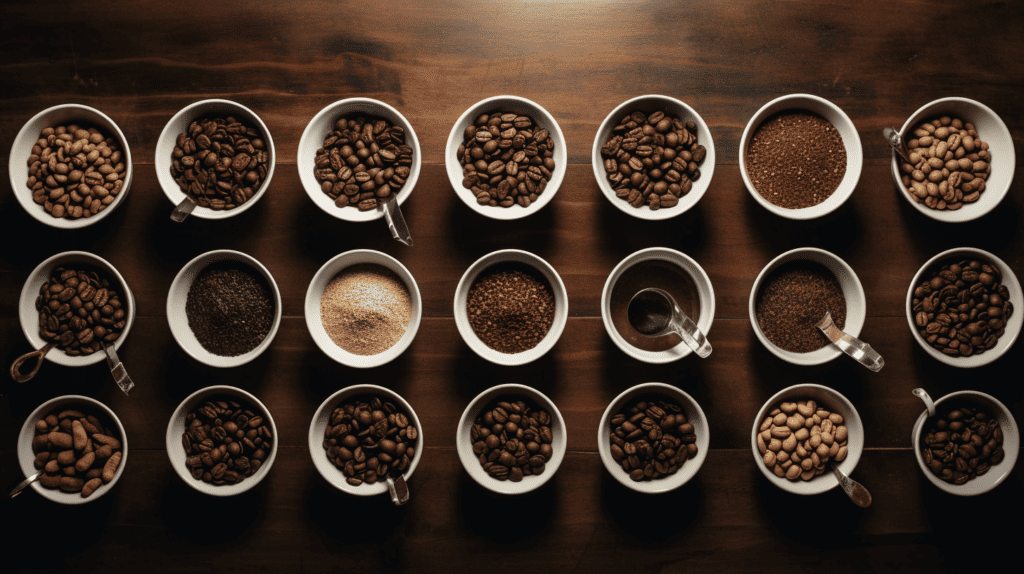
point(879, 61)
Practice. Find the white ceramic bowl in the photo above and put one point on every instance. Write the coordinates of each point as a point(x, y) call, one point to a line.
point(30, 317)
point(471, 461)
point(179, 124)
point(831, 401)
point(515, 105)
point(177, 297)
point(313, 139)
point(26, 458)
point(694, 416)
point(513, 256)
point(1011, 444)
point(316, 289)
point(1012, 326)
point(648, 105)
point(21, 148)
point(846, 129)
point(318, 427)
point(176, 428)
point(686, 264)
point(991, 129)
point(856, 303)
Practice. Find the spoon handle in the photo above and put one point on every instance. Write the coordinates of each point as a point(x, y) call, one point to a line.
point(895, 141)
point(691, 334)
point(852, 346)
point(118, 370)
point(16, 373)
point(183, 209)
point(399, 489)
point(396, 221)
point(24, 484)
point(855, 490)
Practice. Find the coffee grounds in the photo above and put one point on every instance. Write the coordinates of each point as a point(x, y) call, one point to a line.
point(796, 159)
point(793, 300)
point(365, 309)
point(511, 308)
point(229, 309)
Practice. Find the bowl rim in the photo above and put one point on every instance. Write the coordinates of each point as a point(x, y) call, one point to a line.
point(704, 183)
point(919, 115)
point(28, 428)
point(1007, 272)
point(704, 322)
point(174, 193)
point(654, 389)
point(32, 336)
point(558, 291)
point(339, 108)
point(342, 356)
point(977, 397)
point(557, 175)
point(464, 448)
point(173, 441)
point(854, 324)
point(19, 189)
point(316, 441)
point(248, 260)
point(853, 456)
point(854, 157)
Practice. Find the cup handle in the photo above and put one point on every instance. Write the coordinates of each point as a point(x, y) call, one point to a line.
point(16, 373)
point(928, 403)
point(183, 209)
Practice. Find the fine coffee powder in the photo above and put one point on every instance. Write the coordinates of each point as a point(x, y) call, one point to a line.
point(230, 308)
point(796, 159)
point(793, 300)
point(511, 308)
point(659, 274)
point(365, 309)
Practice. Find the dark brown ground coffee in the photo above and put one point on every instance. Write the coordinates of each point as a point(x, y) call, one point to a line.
point(791, 302)
point(230, 308)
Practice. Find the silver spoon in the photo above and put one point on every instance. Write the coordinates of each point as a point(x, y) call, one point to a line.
point(117, 369)
point(654, 313)
point(398, 488)
point(855, 490)
point(24, 484)
point(183, 209)
point(895, 141)
point(852, 346)
point(396, 221)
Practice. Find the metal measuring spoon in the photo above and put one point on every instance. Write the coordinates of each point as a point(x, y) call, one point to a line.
point(855, 490)
point(183, 209)
point(24, 484)
point(654, 313)
point(398, 488)
point(396, 221)
point(117, 369)
point(852, 346)
point(895, 141)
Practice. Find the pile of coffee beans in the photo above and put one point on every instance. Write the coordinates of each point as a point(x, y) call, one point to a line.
point(364, 160)
point(367, 439)
point(653, 160)
point(796, 159)
point(511, 308)
point(791, 302)
point(513, 440)
point(961, 309)
point(76, 451)
point(80, 310)
point(961, 444)
point(220, 162)
point(75, 171)
point(948, 163)
point(798, 439)
point(225, 442)
point(230, 308)
point(652, 439)
point(506, 159)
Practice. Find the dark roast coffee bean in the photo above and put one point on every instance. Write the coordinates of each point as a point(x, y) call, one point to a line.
point(516, 440)
point(220, 162)
point(212, 445)
point(975, 446)
point(650, 438)
point(64, 304)
point(365, 441)
point(364, 159)
point(506, 159)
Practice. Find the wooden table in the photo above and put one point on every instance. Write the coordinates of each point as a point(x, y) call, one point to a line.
point(879, 61)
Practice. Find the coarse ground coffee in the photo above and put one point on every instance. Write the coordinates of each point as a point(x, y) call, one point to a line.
point(796, 159)
point(230, 308)
point(510, 307)
point(365, 309)
point(793, 300)
point(659, 274)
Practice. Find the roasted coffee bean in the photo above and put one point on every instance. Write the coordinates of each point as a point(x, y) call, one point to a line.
point(366, 442)
point(364, 155)
point(64, 304)
point(958, 457)
point(76, 450)
point(75, 171)
point(810, 438)
point(654, 432)
point(517, 440)
point(506, 163)
point(949, 164)
point(220, 162)
point(653, 170)
point(961, 308)
point(216, 429)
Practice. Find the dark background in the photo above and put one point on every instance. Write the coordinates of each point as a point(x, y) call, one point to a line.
point(140, 64)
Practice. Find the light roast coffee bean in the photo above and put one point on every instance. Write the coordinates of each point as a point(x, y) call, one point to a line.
point(798, 439)
point(220, 162)
point(513, 440)
point(363, 161)
point(949, 163)
point(80, 310)
point(652, 439)
point(225, 442)
point(506, 159)
point(962, 443)
point(369, 440)
point(76, 451)
point(75, 171)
